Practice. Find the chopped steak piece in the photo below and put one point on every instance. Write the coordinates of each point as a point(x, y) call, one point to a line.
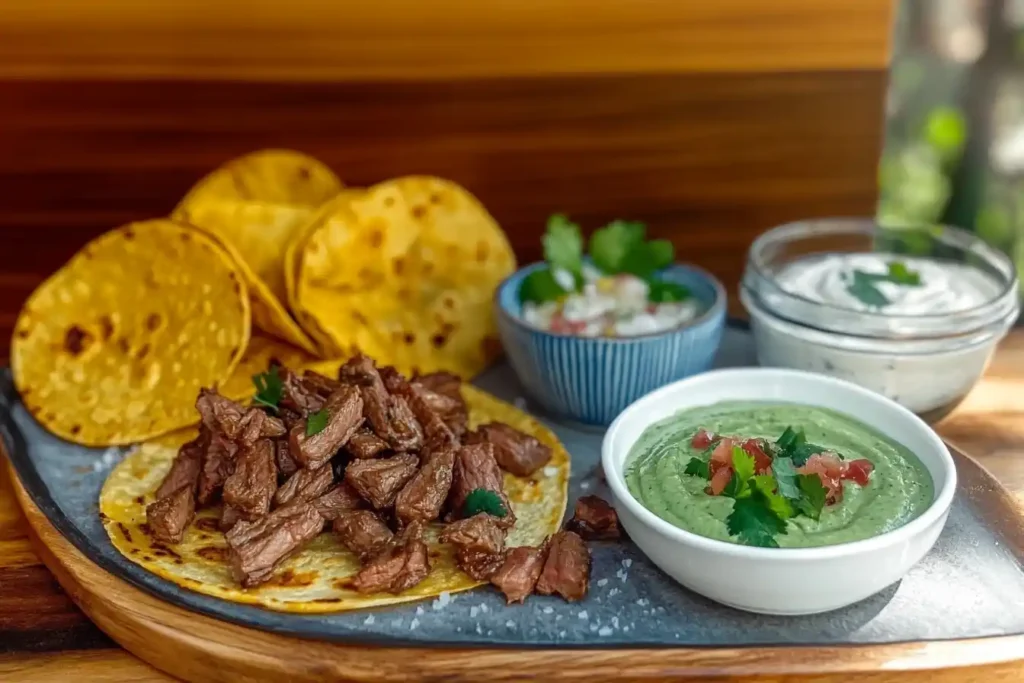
point(475, 468)
point(286, 465)
point(392, 378)
point(324, 386)
point(436, 432)
point(297, 395)
point(480, 566)
point(338, 500)
point(379, 481)
point(359, 370)
point(344, 415)
point(305, 485)
point(256, 424)
point(444, 383)
point(169, 516)
point(251, 486)
point(594, 520)
point(453, 411)
point(365, 444)
point(256, 548)
point(567, 568)
point(479, 542)
point(362, 532)
point(229, 516)
point(220, 414)
point(184, 470)
point(480, 533)
point(400, 566)
point(290, 418)
point(517, 576)
point(423, 497)
point(218, 464)
point(390, 416)
point(406, 433)
point(519, 453)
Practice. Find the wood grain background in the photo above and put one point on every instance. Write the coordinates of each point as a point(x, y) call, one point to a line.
point(710, 121)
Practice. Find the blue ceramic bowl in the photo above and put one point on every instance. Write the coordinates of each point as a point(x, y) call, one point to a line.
point(592, 380)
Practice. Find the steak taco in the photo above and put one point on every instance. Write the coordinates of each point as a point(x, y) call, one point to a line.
point(330, 494)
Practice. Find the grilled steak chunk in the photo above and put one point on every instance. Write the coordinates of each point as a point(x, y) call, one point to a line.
point(251, 486)
point(594, 520)
point(401, 565)
point(305, 485)
point(299, 396)
point(475, 468)
point(480, 533)
point(479, 542)
point(379, 481)
point(423, 497)
point(344, 415)
point(256, 548)
point(185, 469)
point(362, 532)
point(519, 453)
point(324, 386)
point(218, 464)
point(256, 424)
point(517, 576)
point(452, 410)
point(567, 568)
point(286, 465)
point(389, 416)
point(359, 370)
point(229, 516)
point(392, 378)
point(444, 383)
point(365, 444)
point(169, 516)
point(224, 416)
point(436, 432)
point(338, 500)
point(290, 418)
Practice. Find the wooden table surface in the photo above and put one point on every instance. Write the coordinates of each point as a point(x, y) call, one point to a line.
point(43, 636)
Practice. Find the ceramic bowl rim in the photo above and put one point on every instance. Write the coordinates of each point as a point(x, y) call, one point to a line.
point(614, 473)
point(714, 311)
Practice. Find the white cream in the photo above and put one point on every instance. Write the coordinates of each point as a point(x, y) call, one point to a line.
point(946, 287)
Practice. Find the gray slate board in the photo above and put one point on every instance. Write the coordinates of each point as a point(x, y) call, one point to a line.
point(970, 585)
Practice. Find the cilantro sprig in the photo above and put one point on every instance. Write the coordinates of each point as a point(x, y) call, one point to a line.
point(619, 247)
point(483, 500)
point(763, 503)
point(317, 422)
point(864, 285)
point(269, 389)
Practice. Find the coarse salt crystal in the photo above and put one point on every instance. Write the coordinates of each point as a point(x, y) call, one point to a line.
point(642, 602)
point(615, 622)
point(442, 600)
point(593, 628)
point(605, 631)
point(483, 607)
point(510, 624)
point(369, 620)
point(613, 592)
point(583, 615)
point(473, 611)
point(419, 611)
point(625, 629)
point(602, 582)
point(548, 610)
point(413, 624)
point(585, 485)
point(479, 629)
point(627, 563)
point(561, 634)
point(550, 471)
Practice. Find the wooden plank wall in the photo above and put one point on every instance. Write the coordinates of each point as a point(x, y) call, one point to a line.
point(711, 121)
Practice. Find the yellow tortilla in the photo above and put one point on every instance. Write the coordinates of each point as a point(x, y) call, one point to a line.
point(405, 272)
point(268, 314)
point(258, 355)
point(256, 202)
point(318, 578)
point(113, 347)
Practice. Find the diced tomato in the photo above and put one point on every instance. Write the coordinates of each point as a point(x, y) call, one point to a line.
point(829, 469)
point(560, 325)
point(858, 471)
point(703, 438)
point(722, 455)
point(756, 448)
point(719, 480)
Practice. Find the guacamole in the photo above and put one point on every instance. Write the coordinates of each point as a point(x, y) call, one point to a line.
point(900, 488)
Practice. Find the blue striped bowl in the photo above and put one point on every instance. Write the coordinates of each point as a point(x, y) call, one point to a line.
point(592, 380)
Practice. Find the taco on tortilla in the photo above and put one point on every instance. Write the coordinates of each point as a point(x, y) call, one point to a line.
point(330, 494)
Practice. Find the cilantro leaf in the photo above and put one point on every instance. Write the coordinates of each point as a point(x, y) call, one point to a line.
point(563, 244)
point(754, 522)
point(610, 245)
point(647, 258)
point(785, 476)
point(316, 422)
point(483, 500)
point(863, 287)
point(812, 495)
point(736, 488)
point(698, 468)
point(540, 286)
point(269, 388)
point(790, 439)
point(742, 464)
point(901, 275)
point(766, 485)
point(662, 292)
point(661, 253)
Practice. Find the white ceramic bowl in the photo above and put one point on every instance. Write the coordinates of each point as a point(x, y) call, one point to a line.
point(780, 580)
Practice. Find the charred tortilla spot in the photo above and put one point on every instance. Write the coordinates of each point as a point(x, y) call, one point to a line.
point(376, 239)
point(23, 333)
point(435, 198)
point(75, 340)
point(213, 554)
point(399, 265)
point(389, 201)
point(419, 211)
point(409, 338)
point(439, 340)
point(129, 234)
point(124, 532)
point(142, 352)
point(342, 584)
point(237, 286)
point(206, 524)
point(359, 317)
point(448, 302)
point(185, 236)
point(124, 346)
point(139, 500)
point(75, 429)
point(482, 251)
point(304, 173)
point(106, 327)
point(153, 321)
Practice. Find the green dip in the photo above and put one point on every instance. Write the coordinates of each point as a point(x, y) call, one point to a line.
point(900, 488)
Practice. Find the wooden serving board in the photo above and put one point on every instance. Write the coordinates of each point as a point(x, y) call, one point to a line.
point(196, 647)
